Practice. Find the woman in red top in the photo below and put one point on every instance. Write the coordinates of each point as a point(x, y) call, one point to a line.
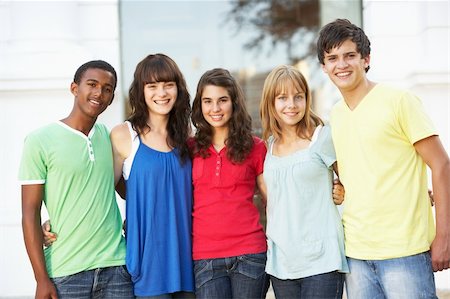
point(229, 244)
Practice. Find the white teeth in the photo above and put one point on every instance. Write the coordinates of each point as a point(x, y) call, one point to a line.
point(216, 117)
point(161, 102)
point(95, 102)
point(343, 74)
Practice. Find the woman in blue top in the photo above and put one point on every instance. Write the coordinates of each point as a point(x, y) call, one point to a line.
point(305, 256)
point(151, 153)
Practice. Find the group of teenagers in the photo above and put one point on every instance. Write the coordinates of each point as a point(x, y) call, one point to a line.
point(192, 229)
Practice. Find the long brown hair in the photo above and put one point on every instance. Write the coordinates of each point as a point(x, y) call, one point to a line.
point(275, 84)
point(161, 68)
point(240, 140)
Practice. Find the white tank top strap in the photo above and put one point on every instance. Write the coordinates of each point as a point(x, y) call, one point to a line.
point(126, 169)
point(315, 135)
point(270, 143)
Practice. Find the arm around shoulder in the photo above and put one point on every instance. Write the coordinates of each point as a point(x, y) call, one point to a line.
point(435, 156)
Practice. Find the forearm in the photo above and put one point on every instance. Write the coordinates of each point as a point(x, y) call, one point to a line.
point(32, 196)
point(34, 244)
point(441, 191)
point(262, 189)
point(435, 156)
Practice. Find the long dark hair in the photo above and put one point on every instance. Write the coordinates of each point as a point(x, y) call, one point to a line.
point(240, 140)
point(161, 68)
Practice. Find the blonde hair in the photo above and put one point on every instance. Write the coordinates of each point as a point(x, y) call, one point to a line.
point(276, 83)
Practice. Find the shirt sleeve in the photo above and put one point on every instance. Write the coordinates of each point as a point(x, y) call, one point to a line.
point(414, 122)
point(326, 147)
point(259, 155)
point(33, 166)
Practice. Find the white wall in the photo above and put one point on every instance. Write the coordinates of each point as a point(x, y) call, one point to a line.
point(42, 43)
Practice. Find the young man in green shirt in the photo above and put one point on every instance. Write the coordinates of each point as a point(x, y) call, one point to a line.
point(68, 165)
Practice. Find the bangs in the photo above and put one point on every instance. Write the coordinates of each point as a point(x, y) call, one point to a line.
point(159, 71)
point(289, 80)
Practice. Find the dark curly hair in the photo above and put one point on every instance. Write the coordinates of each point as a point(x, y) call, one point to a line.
point(240, 140)
point(335, 33)
point(161, 68)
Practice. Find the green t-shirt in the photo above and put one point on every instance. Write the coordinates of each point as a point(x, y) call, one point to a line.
point(77, 171)
point(387, 212)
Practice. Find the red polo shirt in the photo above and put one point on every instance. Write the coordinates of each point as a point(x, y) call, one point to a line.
point(225, 220)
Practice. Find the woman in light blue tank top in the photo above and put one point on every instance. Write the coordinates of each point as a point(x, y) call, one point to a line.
point(151, 153)
point(305, 256)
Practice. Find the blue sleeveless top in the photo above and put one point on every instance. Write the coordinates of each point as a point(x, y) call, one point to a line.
point(159, 223)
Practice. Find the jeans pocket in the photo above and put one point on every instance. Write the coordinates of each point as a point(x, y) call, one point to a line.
point(203, 272)
point(122, 270)
point(252, 265)
point(62, 279)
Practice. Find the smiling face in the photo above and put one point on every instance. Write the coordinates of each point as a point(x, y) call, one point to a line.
point(290, 106)
point(94, 93)
point(217, 106)
point(160, 97)
point(345, 66)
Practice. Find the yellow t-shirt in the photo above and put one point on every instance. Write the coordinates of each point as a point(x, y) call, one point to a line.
point(387, 212)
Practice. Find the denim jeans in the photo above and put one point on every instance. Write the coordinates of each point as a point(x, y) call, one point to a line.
point(322, 286)
point(241, 276)
point(177, 295)
point(408, 277)
point(101, 283)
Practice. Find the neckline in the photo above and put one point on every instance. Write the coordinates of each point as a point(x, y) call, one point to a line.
point(313, 141)
point(153, 149)
point(65, 126)
point(362, 101)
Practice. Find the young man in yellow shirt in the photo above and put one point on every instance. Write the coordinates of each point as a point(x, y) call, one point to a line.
point(384, 141)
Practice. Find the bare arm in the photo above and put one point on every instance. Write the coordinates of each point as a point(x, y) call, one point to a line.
point(121, 146)
point(435, 156)
point(262, 189)
point(32, 196)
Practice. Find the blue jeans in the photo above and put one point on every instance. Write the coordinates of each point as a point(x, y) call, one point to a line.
point(241, 276)
point(408, 277)
point(177, 295)
point(322, 286)
point(101, 283)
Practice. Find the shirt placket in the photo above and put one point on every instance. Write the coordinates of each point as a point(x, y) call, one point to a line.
point(218, 169)
point(90, 149)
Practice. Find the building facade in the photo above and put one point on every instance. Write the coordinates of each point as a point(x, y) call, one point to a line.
point(43, 42)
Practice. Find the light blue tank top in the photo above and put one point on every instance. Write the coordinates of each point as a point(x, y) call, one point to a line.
point(304, 230)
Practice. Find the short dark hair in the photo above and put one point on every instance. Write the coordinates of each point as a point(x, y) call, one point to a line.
point(94, 64)
point(335, 33)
